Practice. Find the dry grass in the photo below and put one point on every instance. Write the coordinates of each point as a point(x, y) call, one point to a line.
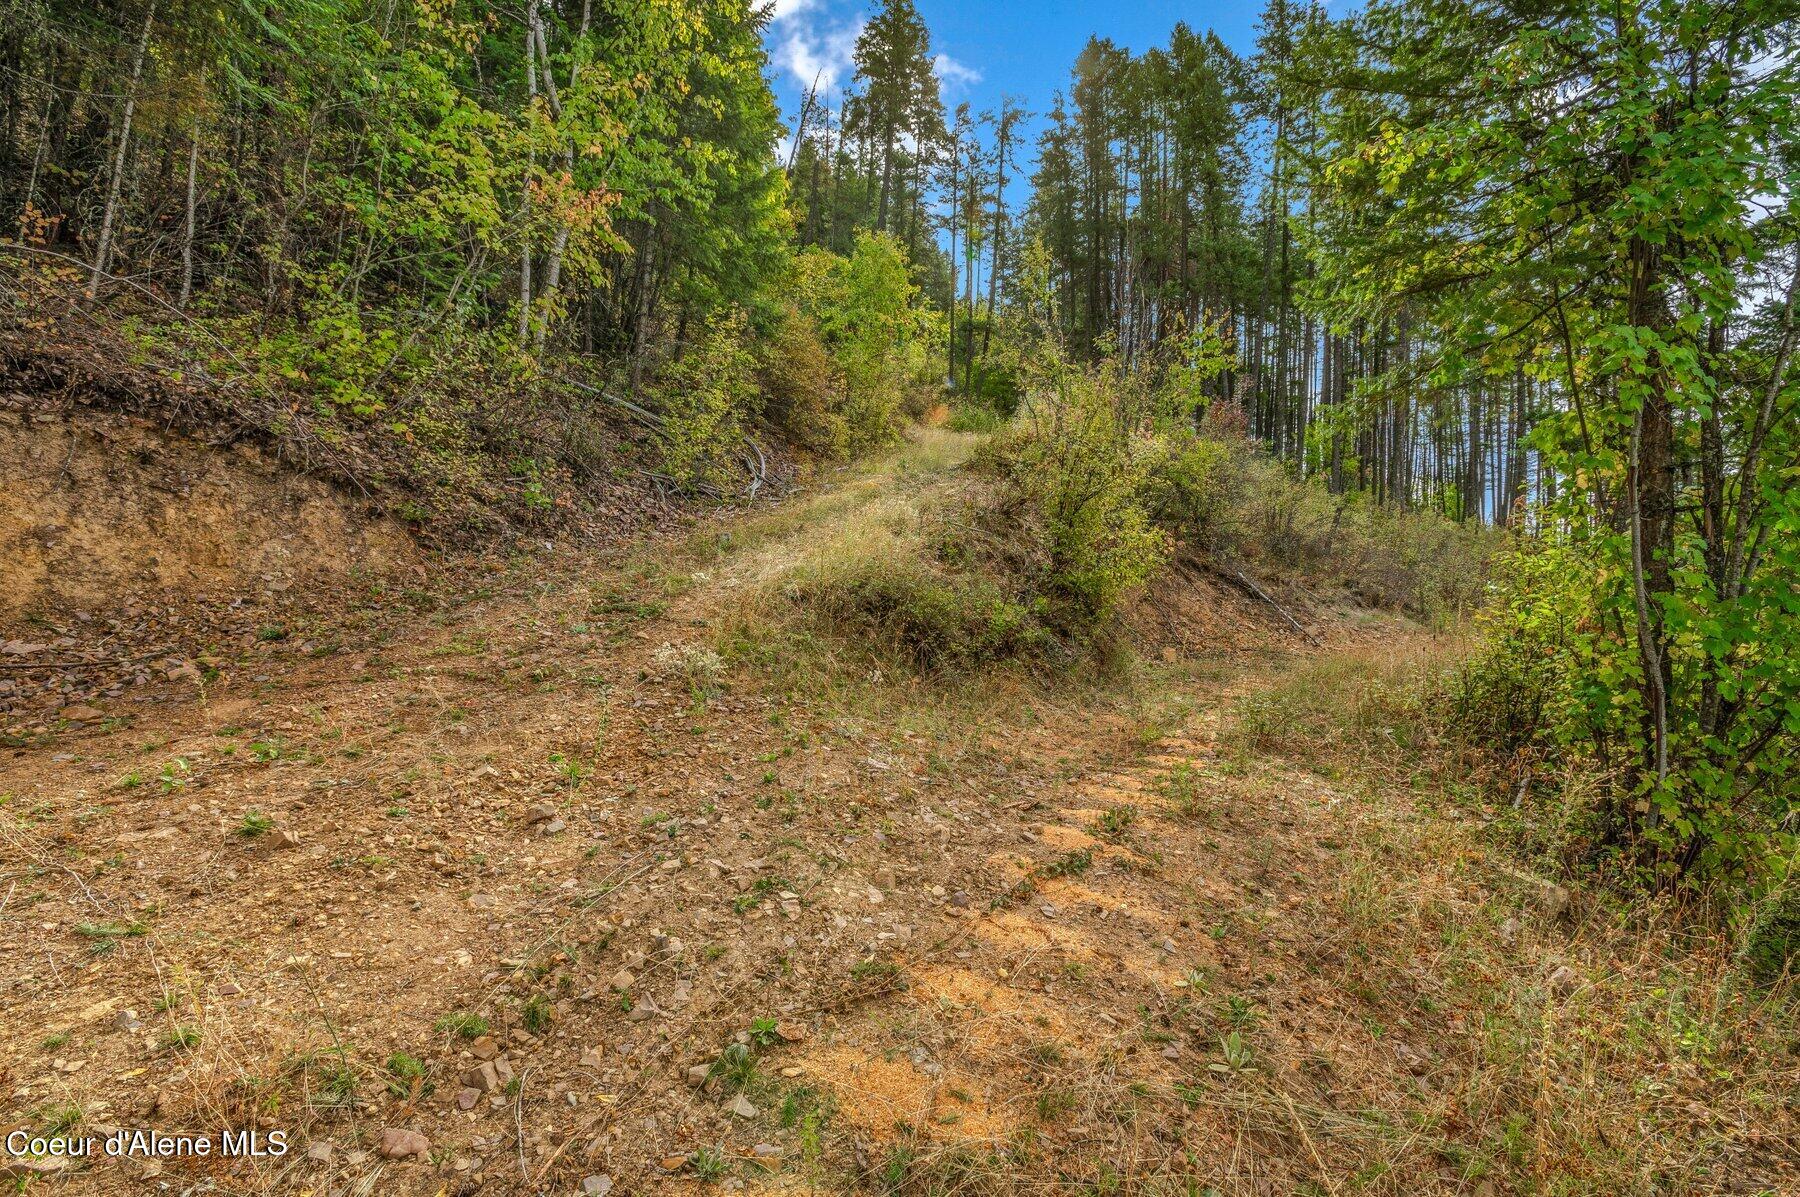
point(1652, 1065)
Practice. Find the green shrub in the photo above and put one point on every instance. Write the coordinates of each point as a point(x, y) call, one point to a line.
point(1078, 467)
point(1536, 640)
point(923, 583)
point(703, 395)
point(801, 387)
point(935, 619)
point(1194, 489)
point(1772, 947)
point(875, 329)
point(974, 417)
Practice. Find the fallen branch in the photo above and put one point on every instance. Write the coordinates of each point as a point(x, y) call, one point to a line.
point(87, 664)
point(1258, 591)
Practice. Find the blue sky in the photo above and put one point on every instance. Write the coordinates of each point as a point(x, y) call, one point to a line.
point(989, 48)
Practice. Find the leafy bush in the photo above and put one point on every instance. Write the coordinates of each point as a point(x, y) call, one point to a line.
point(934, 618)
point(1536, 638)
point(1772, 947)
point(875, 328)
point(1194, 489)
point(800, 386)
point(703, 395)
point(1078, 465)
point(918, 580)
point(972, 417)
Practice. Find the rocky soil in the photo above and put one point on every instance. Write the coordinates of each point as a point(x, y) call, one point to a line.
point(510, 883)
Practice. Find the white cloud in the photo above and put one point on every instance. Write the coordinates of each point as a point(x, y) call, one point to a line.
point(783, 9)
point(809, 52)
point(952, 73)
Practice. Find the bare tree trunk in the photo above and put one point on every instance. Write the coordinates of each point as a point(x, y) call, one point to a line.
point(530, 164)
point(955, 201)
point(1002, 136)
point(187, 230)
point(553, 271)
point(1652, 481)
point(110, 216)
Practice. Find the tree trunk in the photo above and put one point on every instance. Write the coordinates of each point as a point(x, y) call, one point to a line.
point(530, 165)
point(187, 229)
point(110, 216)
point(1652, 482)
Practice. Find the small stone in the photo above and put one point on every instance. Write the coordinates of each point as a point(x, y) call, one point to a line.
point(596, 1186)
point(126, 1020)
point(553, 827)
point(593, 1057)
point(81, 713)
point(397, 1143)
point(621, 980)
point(543, 812)
point(673, 1163)
point(484, 1048)
point(765, 1150)
point(740, 1105)
point(281, 838)
point(697, 1074)
point(790, 1032)
point(467, 1096)
point(484, 1077)
point(1550, 897)
point(481, 901)
point(28, 1170)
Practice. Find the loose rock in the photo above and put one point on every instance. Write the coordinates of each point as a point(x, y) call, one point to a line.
point(397, 1143)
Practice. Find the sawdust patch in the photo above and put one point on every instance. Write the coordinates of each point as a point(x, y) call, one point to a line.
point(876, 1094)
point(1064, 892)
point(1068, 839)
point(997, 1016)
point(1009, 930)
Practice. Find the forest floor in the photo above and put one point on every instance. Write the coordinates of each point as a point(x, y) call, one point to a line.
point(560, 876)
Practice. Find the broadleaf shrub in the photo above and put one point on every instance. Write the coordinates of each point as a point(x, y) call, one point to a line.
point(701, 395)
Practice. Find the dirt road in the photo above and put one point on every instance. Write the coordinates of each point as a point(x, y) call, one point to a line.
point(567, 880)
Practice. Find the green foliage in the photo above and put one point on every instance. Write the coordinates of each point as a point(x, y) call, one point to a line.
point(1530, 686)
point(1772, 943)
point(1632, 259)
point(1194, 489)
point(973, 417)
point(801, 388)
point(406, 1076)
point(703, 394)
point(463, 1025)
point(1078, 466)
point(254, 823)
point(935, 618)
point(874, 326)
